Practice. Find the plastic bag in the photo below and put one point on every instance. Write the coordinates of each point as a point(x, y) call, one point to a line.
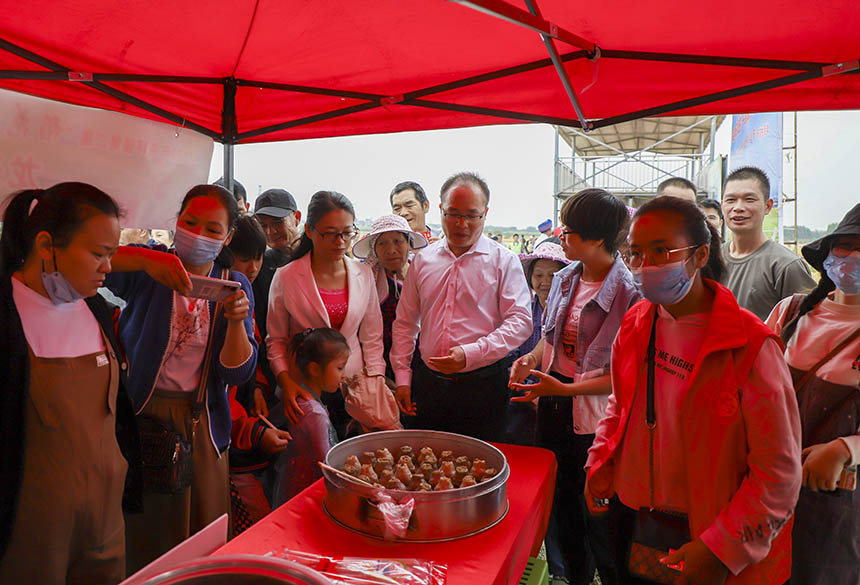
point(360, 571)
point(396, 515)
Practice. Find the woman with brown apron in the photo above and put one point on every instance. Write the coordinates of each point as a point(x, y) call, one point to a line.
point(66, 417)
point(822, 335)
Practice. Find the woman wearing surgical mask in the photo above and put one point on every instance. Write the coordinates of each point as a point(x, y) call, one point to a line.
point(165, 335)
point(68, 430)
point(701, 437)
point(821, 331)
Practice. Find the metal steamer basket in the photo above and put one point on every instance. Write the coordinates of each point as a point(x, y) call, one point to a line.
point(437, 516)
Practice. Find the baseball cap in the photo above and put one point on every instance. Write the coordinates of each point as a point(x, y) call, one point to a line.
point(275, 202)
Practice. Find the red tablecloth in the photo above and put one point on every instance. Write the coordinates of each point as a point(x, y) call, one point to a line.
point(496, 556)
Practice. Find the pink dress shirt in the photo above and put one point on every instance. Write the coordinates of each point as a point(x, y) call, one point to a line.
point(478, 301)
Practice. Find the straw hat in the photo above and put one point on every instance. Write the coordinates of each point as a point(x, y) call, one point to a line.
point(364, 248)
point(544, 251)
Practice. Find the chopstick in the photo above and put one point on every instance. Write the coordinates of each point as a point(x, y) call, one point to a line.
point(268, 423)
point(343, 474)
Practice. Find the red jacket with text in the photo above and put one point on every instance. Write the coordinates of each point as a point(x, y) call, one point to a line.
point(741, 441)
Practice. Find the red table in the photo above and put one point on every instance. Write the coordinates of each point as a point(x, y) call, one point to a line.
point(496, 556)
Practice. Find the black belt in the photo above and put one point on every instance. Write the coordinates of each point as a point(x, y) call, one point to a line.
point(473, 376)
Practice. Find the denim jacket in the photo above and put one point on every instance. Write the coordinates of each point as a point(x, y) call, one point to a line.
point(599, 322)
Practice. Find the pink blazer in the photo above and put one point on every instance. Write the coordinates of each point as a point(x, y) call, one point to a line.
point(295, 305)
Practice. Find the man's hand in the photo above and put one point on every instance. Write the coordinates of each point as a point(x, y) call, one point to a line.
point(403, 396)
point(823, 464)
point(260, 406)
point(452, 363)
point(291, 392)
point(547, 385)
point(274, 441)
point(698, 565)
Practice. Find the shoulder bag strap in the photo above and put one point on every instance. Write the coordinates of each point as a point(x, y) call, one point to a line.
point(792, 314)
point(197, 407)
point(650, 412)
point(811, 371)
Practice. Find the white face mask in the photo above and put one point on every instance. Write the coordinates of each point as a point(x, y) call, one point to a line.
point(664, 285)
point(59, 289)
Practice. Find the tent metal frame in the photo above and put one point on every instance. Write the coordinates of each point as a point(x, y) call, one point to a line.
point(533, 20)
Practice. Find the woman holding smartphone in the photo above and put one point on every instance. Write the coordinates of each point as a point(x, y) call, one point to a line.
point(165, 335)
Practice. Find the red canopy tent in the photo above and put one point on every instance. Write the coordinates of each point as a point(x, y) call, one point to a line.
point(267, 70)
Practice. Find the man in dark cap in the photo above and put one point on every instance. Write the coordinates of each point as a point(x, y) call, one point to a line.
point(279, 216)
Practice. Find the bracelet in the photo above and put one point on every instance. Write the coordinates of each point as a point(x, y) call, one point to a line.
point(533, 356)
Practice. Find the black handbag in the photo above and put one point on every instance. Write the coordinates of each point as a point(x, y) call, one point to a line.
point(167, 456)
point(655, 532)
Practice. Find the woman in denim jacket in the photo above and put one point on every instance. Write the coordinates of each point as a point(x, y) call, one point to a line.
point(586, 304)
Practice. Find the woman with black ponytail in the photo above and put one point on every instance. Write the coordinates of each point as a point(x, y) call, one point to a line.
point(322, 287)
point(821, 332)
point(699, 447)
point(166, 335)
point(68, 430)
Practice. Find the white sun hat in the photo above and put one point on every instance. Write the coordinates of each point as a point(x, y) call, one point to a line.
point(387, 223)
point(544, 251)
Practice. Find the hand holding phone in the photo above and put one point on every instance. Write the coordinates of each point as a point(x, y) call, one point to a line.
point(211, 289)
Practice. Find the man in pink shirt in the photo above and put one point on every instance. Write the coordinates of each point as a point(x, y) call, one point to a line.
point(467, 297)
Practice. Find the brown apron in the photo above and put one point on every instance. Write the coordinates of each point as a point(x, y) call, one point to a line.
point(826, 533)
point(169, 519)
point(69, 525)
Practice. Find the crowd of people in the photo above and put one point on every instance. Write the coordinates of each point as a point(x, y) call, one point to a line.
point(695, 392)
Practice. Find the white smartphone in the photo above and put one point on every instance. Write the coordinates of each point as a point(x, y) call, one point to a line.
point(211, 289)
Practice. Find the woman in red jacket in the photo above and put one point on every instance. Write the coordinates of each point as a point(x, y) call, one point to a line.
point(716, 452)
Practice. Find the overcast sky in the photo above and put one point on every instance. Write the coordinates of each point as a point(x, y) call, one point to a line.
point(517, 162)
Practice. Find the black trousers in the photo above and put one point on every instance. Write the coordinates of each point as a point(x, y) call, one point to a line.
point(472, 404)
point(577, 544)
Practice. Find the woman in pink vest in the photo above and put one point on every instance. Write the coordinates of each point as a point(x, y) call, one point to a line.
point(821, 331)
point(702, 477)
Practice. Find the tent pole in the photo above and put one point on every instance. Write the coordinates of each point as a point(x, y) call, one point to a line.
point(86, 79)
point(555, 182)
point(228, 167)
point(230, 129)
point(559, 68)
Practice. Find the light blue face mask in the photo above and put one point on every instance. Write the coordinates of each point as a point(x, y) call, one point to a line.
point(664, 285)
point(59, 289)
point(844, 272)
point(195, 249)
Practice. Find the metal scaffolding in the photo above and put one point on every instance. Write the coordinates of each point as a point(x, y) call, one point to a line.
point(631, 159)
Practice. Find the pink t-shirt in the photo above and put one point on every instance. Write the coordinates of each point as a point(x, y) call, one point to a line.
point(336, 303)
point(565, 356)
point(678, 343)
point(189, 331)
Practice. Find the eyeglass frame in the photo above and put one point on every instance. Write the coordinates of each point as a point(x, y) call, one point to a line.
point(627, 260)
point(335, 236)
point(456, 217)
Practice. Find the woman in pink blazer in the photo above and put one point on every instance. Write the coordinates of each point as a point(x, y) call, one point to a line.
point(321, 287)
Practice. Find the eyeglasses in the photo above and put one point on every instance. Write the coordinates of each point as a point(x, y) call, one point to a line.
point(844, 249)
point(657, 256)
point(456, 217)
point(332, 237)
